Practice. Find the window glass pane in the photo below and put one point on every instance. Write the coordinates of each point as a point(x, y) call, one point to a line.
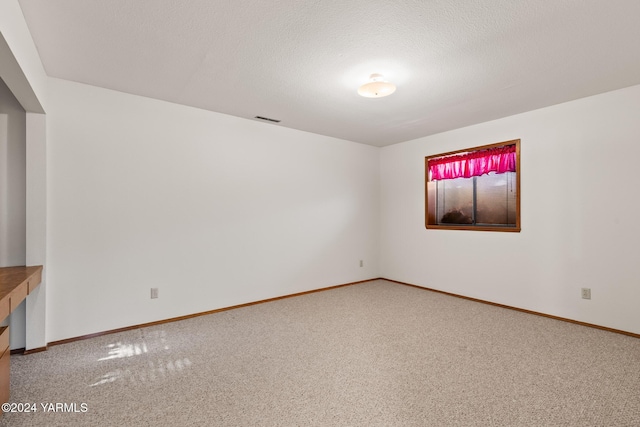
point(496, 199)
point(454, 203)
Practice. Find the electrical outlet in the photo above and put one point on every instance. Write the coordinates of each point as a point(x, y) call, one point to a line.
point(361, 263)
point(586, 293)
point(154, 293)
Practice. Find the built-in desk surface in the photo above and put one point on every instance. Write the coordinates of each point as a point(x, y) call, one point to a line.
point(15, 284)
point(12, 278)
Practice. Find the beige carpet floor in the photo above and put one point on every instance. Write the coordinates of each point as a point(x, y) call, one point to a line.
point(371, 354)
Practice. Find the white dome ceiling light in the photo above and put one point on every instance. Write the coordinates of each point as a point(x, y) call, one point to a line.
point(377, 87)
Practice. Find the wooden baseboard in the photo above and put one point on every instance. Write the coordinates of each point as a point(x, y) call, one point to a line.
point(204, 313)
point(30, 351)
point(35, 350)
point(550, 316)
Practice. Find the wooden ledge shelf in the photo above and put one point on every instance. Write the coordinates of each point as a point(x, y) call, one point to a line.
point(15, 284)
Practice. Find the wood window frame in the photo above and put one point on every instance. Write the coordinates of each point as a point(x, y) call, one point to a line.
point(430, 193)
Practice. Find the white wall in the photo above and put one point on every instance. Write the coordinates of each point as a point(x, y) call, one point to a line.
point(20, 65)
point(216, 210)
point(579, 203)
point(23, 74)
point(12, 179)
point(213, 210)
point(36, 228)
point(13, 197)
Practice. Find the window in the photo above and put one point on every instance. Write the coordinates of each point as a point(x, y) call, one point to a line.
point(474, 189)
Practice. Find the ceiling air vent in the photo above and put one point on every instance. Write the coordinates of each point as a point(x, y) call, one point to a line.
point(267, 119)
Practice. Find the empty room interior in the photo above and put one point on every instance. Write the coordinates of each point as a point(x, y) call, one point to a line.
point(232, 213)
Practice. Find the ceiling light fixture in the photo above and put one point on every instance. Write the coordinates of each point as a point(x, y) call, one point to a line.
point(377, 87)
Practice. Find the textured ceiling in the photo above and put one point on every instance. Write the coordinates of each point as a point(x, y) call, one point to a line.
point(455, 62)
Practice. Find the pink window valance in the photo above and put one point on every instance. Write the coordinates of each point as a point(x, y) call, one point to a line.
point(476, 163)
